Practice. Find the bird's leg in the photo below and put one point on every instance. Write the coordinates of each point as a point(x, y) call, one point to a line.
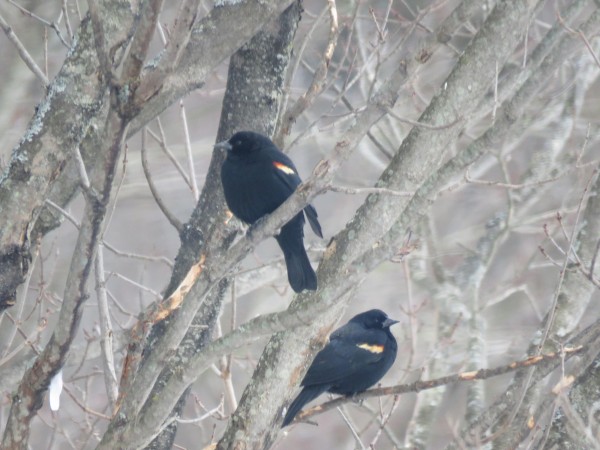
point(354, 399)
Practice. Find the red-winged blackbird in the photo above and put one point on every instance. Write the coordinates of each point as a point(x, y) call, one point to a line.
point(257, 178)
point(357, 356)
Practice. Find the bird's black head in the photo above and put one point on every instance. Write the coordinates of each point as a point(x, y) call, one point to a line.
point(245, 143)
point(374, 318)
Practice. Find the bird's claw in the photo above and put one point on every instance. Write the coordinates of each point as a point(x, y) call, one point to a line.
point(355, 399)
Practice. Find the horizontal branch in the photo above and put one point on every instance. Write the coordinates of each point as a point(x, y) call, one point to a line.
point(421, 385)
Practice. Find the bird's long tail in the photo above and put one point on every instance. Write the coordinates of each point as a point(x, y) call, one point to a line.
point(306, 395)
point(300, 273)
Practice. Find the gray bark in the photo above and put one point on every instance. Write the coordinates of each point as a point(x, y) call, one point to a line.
point(107, 90)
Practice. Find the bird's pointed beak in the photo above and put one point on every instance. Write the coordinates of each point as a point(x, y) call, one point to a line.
point(389, 322)
point(223, 145)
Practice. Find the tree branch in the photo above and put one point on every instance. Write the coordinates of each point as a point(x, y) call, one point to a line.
point(547, 359)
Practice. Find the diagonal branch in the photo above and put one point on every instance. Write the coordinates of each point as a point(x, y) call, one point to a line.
point(141, 40)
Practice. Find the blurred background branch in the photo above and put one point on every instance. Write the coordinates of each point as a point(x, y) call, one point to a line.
point(451, 149)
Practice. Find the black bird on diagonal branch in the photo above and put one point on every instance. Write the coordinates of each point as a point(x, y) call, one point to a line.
point(357, 356)
point(257, 178)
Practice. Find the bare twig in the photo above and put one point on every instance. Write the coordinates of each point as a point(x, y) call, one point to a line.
point(162, 141)
point(582, 36)
point(106, 332)
point(384, 421)
point(28, 340)
point(65, 11)
point(25, 56)
point(593, 263)
point(46, 52)
point(224, 372)
point(368, 190)
point(161, 33)
point(496, 102)
point(83, 175)
point(188, 149)
point(155, 294)
point(83, 407)
point(116, 251)
point(427, 126)
point(352, 429)
point(318, 82)
point(560, 175)
point(157, 198)
point(108, 245)
point(44, 22)
point(204, 416)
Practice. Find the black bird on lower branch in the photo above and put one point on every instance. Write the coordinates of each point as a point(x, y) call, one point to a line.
point(357, 356)
point(257, 178)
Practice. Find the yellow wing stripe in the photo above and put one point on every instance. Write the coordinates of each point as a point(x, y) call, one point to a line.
point(283, 167)
point(371, 348)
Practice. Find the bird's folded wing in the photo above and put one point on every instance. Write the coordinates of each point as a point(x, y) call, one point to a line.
point(340, 360)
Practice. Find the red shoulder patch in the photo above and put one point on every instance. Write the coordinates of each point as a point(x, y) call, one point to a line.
point(283, 167)
point(371, 348)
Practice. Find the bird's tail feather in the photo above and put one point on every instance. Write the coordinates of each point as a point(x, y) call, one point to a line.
point(308, 393)
point(300, 273)
point(313, 220)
